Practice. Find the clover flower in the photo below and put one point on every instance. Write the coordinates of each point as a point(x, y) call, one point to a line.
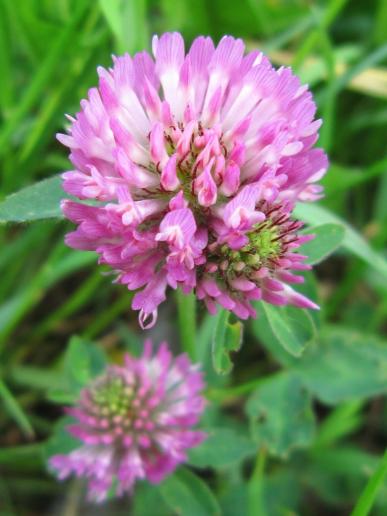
point(196, 162)
point(135, 422)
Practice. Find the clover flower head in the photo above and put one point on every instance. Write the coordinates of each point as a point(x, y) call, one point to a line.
point(134, 422)
point(196, 161)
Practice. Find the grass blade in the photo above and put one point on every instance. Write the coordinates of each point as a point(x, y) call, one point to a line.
point(43, 75)
point(367, 498)
point(15, 411)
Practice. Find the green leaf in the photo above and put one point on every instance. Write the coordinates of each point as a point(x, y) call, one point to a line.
point(188, 495)
point(353, 241)
point(266, 338)
point(61, 441)
point(292, 327)
point(367, 498)
point(234, 499)
point(338, 473)
point(148, 500)
point(281, 415)
point(345, 366)
point(222, 448)
point(83, 361)
point(227, 338)
point(328, 238)
point(38, 201)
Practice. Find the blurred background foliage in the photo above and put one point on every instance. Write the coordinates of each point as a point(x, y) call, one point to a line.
point(318, 423)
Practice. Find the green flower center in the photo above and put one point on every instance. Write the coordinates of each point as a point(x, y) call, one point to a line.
point(264, 247)
point(264, 244)
point(113, 397)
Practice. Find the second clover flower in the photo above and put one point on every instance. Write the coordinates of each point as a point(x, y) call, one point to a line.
point(134, 422)
point(197, 161)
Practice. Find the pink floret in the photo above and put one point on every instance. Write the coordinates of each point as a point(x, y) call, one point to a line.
point(189, 157)
point(134, 422)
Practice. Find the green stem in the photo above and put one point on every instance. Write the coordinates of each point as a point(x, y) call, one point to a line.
point(186, 309)
point(256, 503)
